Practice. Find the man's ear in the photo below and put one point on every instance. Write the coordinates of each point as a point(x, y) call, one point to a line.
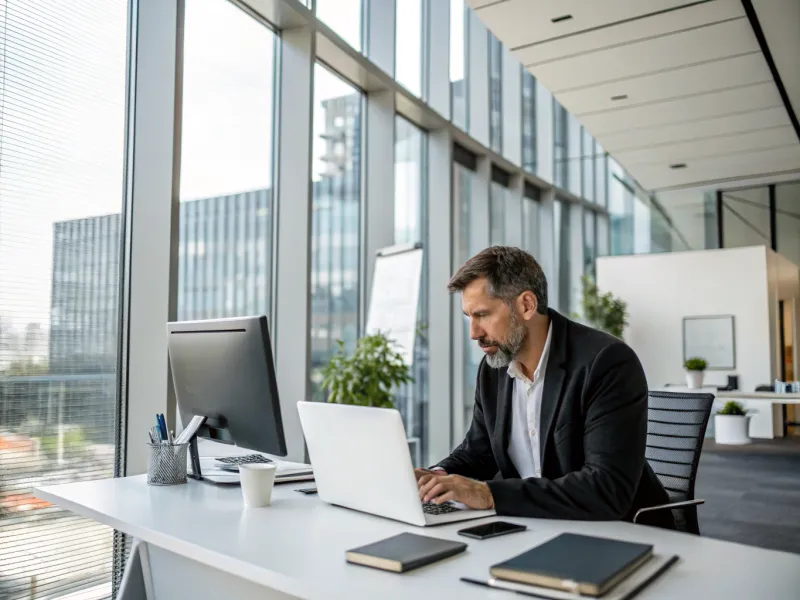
point(528, 303)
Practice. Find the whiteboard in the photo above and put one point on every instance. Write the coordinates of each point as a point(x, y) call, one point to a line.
point(394, 301)
point(710, 338)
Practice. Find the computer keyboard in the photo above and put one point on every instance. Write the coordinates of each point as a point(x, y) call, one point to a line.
point(235, 461)
point(429, 508)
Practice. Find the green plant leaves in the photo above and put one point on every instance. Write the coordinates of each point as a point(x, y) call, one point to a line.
point(368, 377)
point(603, 311)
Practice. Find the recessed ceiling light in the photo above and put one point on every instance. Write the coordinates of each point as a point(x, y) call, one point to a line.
point(620, 97)
point(678, 166)
point(561, 18)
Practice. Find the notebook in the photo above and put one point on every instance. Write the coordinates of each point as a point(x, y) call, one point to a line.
point(404, 552)
point(577, 563)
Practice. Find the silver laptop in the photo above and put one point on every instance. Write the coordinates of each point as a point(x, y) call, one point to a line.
point(361, 461)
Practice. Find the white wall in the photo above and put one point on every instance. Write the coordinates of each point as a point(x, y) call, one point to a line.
point(661, 289)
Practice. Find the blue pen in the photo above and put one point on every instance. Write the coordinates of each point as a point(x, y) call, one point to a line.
point(162, 426)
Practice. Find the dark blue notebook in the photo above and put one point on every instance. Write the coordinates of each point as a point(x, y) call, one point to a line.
point(577, 563)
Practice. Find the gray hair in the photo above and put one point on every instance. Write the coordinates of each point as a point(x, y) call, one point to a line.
point(509, 272)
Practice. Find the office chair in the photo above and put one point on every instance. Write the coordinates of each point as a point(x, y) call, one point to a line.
point(676, 427)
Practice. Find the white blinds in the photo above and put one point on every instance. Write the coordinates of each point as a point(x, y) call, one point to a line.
point(62, 108)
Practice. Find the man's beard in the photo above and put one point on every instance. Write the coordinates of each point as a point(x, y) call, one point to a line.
point(508, 348)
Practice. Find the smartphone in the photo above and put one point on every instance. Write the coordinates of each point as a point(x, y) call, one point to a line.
point(307, 491)
point(490, 530)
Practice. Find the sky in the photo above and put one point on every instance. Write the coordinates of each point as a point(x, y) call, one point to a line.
point(63, 89)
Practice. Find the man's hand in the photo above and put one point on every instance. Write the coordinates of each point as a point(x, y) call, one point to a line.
point(472, 493)
point(427, 474)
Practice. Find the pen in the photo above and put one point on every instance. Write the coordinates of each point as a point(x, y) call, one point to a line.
point(498, 586)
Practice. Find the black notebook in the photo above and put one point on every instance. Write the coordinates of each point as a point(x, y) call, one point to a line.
point(577, 563)
point(404, 552)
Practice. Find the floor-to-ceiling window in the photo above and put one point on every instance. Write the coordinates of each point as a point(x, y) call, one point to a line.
point(344, 17)
point(588, 162)
point(563, 262)
point(225, 236)
point(62, 158)
point(498, 205)
point(335, 219)
point(745, 217)
point(411, 227)
point(560, 144)
point(589, 242)
point(408, 44)
point(531, 222)
point(495, 94)
point(458, 64)
point(528, 122)
point(620, 208)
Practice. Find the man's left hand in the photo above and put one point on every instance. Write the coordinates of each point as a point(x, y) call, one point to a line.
point(472, 493)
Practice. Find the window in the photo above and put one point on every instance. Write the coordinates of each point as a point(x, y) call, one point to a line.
point(587, 160)
point(562, 261)
point(620, 208)
point(62, 151)
point(528, 122)
point(745, 218)
point(530, 222)
point(344, 17)
point(458, 64)
point(336, 220)
point(410, 226)
point(589, 243)
point(498, 202)
point(495, 94)
point(226, 157)
point(466, 246)
point(560, 156)
point(408, 45)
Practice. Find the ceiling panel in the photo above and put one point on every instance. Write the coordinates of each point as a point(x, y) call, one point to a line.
point(643, 138)
point(678, 110)
point(731, 72)
point(629, 31)
point(727, 144)
point(648, 56)
point(519, 22)
point(738, 166)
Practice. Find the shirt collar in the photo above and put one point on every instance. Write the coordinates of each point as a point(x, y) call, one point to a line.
point(515, 369)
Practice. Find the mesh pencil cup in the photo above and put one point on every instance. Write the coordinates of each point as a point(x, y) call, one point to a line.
point(166, 464)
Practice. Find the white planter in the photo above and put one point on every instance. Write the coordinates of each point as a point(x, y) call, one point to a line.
point(694, 379)
point(731, 429)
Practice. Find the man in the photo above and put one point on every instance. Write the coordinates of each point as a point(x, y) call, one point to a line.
point(560, 416)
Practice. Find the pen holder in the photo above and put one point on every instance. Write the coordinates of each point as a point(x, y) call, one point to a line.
point(166, 464)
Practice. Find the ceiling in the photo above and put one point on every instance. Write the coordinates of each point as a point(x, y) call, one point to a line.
point(698, 84)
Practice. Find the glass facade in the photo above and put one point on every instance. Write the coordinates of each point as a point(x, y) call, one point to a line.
point(225, 256)
point(787, 221)
point(495, 94)
point(335, 220)
point(528, 122)
point(409, 27)
point(344, 17)
point(530, 224)
point(458, 64)
point(560, 146)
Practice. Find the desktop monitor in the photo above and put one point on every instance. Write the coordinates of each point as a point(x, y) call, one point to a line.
point(222, 369)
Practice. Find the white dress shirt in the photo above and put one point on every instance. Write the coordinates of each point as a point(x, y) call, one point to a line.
point(526, 408)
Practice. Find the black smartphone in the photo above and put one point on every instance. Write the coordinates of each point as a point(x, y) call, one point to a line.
point(490, 530)
point(307, 491)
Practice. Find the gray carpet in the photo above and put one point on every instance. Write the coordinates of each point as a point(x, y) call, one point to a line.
point(752, 494)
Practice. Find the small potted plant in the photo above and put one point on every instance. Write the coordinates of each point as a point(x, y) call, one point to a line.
point(731, 424)
point(368, 376)
point(694, 372)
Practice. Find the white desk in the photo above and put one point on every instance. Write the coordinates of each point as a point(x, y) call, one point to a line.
point(202, 544)
point(767, 419)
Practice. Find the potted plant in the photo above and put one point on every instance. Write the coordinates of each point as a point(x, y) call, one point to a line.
point(694, 372)
point(603, 311)
point(731, 424)
point(368, 376)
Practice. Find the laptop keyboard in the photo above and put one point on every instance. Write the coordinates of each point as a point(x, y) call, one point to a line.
point(429, 508)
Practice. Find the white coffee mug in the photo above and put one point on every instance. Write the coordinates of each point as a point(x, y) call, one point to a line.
point(257, 482)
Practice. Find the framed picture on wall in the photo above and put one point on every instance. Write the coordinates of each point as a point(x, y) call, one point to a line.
point(711, 338)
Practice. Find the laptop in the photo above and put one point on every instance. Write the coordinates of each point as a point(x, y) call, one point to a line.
point(361, 461)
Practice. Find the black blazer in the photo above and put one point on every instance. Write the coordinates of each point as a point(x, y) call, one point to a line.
point(592, 434)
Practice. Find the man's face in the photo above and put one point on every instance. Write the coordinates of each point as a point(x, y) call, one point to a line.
point(496, 327)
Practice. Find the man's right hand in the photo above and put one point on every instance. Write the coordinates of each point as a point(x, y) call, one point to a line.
point(425, 475)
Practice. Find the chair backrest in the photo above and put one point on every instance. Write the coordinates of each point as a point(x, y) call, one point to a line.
point(765, 388)
point(676, 427)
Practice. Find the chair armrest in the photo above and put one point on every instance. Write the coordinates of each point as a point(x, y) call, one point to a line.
point(666, 506)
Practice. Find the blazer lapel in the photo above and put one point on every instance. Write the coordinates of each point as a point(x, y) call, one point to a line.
point(503, 423)
point(553, 381)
